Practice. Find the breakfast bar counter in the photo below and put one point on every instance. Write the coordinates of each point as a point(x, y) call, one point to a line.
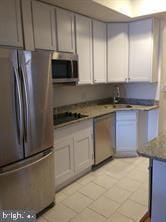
point(155, 150)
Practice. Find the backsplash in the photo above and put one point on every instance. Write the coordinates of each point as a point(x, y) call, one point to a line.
point(141, 90)
point(67, 94)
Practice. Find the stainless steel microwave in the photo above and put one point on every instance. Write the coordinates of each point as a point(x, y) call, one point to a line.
point(64, 67)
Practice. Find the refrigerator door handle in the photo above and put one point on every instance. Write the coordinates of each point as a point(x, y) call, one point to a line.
point(26, 165)
point(20, 118)
point(25, 99)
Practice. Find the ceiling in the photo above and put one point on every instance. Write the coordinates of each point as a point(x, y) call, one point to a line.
point(90, 8)
point(135, 8)
point(113, 10)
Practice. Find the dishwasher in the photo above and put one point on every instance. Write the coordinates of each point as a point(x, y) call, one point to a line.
point(104, 137)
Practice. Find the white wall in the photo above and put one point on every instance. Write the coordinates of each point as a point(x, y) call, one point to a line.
point(65, 95)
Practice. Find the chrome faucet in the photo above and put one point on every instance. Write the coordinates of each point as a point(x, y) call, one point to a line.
point(116, 95)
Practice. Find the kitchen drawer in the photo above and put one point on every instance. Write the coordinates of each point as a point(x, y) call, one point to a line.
point(126, 115)
point(72, 129)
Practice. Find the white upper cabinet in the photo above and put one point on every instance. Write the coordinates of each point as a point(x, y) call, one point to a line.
point(65, 30)
point(84, 48)
point(99, 52)
point(27, 24)
point(117, 52)
point(44, 26)
point(143, 50)
point(10, 23)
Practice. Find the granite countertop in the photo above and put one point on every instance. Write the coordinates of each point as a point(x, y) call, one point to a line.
point(96, 110)
point(155, 149)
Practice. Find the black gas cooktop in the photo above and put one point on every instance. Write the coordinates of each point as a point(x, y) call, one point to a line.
point(61, 118)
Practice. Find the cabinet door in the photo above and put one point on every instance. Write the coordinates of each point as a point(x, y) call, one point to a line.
point(141, 50)
point(153, 117)
point(126, 135)
point(65, 30)
point(99, 52)
point(117, 52)
point(44, 26)
point(27, 25)
point(83, 151)
point(64, 160)
point(84, 48)
point(10, 23)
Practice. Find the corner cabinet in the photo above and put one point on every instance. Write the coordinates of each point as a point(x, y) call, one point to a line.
point(65, 30)
point(117, 52)
point(74, 155)
point(10, 23)
point(126, 133)
point(84, 48)
point(143, 50)
point(99, 52)
point(152, 123)
point(44, 26)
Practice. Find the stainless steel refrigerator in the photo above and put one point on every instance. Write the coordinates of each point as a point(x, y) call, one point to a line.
point(26, 130)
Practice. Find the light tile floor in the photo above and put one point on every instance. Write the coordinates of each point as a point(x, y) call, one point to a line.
point(116, 192)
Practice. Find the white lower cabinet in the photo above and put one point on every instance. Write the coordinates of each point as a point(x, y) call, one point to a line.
point(148, 126)
point(152, 122)
point(64, 159)
point(134, 129)
point(83, 150)
point(126, 133)
point(73, 152)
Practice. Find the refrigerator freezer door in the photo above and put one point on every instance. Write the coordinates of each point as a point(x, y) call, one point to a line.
point(29, 184)
point(11, 144)
point(37, 85)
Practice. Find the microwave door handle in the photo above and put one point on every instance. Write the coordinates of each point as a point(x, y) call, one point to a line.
point(72, 70)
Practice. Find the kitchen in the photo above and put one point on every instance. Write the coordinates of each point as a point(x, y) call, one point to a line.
point(105, 69)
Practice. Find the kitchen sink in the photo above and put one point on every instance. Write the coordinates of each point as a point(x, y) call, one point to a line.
point(116, 106)
point(121, 106)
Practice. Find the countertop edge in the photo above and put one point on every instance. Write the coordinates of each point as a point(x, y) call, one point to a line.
point(105, 113)
point(151, 157)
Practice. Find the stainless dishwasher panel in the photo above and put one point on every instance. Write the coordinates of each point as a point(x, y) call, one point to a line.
point(28, 184)
point(104, 135)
